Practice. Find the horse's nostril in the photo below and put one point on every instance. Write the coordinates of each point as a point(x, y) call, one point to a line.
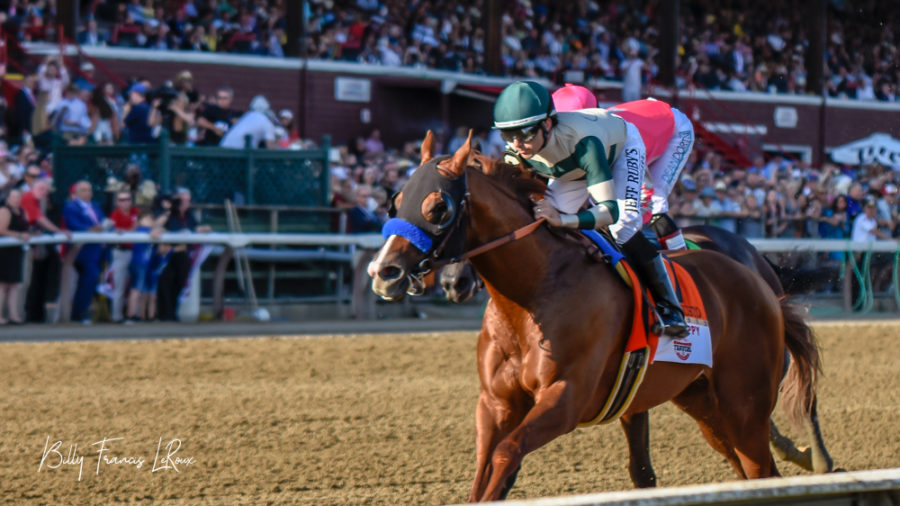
point(464, 284)
point(391, 273)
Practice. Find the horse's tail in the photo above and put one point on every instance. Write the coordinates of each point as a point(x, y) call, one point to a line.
point(798, 390)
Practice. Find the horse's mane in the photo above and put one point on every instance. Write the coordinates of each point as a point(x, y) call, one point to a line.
point(522, 182)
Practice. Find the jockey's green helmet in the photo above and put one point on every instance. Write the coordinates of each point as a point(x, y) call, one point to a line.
point(522, 104)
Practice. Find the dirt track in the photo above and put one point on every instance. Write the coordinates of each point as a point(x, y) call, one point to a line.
point(374, 419)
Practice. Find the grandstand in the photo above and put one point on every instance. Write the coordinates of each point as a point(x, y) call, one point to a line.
point(741, 72)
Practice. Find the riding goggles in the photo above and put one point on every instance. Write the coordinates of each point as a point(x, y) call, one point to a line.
point(524, 134)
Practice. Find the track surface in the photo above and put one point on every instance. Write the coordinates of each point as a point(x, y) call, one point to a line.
point(385, 419)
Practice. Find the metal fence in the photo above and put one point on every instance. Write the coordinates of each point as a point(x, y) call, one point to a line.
point(324, 268)
point(212, 174)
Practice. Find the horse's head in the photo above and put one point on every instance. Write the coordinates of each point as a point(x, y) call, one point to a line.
point(426, 222)
point(459, 281)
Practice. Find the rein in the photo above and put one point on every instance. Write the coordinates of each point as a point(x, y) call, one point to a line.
point(515, 235)
point(417, 283)
point(434, 260)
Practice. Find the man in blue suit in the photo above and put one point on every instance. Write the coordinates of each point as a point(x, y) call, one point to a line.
point(83, 215)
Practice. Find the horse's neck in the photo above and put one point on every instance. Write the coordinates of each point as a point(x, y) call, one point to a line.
point(519, 269)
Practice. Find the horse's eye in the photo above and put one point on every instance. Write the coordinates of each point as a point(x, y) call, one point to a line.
point(437, 208)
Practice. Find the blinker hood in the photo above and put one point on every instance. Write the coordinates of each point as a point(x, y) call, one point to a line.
point(410, 223)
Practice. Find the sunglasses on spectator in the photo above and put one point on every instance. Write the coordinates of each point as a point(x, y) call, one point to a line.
point(525, 134)
point(124, 199)
point(31, 175)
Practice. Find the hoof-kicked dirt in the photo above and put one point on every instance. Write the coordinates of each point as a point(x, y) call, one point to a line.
point(337, 420)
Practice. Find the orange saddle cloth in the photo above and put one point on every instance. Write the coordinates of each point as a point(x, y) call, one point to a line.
point(645, 316)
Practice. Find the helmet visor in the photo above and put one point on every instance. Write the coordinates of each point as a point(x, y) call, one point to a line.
point(524, 134)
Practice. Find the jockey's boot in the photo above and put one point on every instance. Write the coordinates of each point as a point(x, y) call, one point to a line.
point(667, 232)
point(652, 270)
point(670, 312)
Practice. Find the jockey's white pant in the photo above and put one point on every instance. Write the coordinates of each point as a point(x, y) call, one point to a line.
point(664, 171)
point(628, 176)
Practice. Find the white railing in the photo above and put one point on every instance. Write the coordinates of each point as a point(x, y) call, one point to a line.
point(823, 245)
point(880, 486)
point(239, 244)
point(234, 240)
point(374, 241)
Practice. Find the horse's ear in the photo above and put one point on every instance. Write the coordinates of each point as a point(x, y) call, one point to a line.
point(426, 152)
point(457, 165)
point(484, 163)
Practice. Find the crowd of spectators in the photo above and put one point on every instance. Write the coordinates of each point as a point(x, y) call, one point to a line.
point(779, 197)
point(50, 103)
point(785, 198)
point(738, 45)
point(141, 281)
point(743, 46)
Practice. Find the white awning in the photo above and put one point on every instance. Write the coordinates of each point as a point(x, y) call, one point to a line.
point(878, 147)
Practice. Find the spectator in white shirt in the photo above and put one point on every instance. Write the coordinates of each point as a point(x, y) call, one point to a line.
point(52, 79)
point(72, 117)
point(258, 123)
point(865, 225)
point(632, 69)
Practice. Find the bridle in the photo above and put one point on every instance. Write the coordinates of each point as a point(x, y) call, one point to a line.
point(435, 261)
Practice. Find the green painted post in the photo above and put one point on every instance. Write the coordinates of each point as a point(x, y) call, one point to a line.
point(326, 179)
point(165, 161)
point(248, 152)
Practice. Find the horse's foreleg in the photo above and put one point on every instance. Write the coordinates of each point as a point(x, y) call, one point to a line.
point(552, 415)
point(492, 423)
point(637, 431)
point(483, 437)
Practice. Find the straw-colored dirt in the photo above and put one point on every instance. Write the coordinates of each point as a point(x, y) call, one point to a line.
point(369, 419)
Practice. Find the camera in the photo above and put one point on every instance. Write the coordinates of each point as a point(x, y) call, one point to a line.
point(165, 93)
point(165, 202)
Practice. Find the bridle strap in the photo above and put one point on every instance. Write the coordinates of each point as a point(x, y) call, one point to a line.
point(515, 235)
point(463, 210)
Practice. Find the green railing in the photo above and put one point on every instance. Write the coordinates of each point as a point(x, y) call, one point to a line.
point(212, 174)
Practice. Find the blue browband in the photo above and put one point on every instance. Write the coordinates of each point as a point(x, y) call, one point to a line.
point(405, 229)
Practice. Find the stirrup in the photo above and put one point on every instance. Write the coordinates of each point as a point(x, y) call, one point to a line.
point(677, 329)
point(669, 331)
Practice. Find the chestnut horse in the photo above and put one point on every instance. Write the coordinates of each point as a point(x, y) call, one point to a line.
point(460, 283)
point(556, 324)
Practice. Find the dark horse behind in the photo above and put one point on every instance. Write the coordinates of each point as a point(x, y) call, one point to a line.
point(556, 324)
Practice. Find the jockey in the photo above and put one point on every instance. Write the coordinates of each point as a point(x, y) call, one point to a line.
point(579, 151)
point(668, 137)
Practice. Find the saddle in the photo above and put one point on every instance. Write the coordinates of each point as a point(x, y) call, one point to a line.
point(641, 347)
point(598, 245)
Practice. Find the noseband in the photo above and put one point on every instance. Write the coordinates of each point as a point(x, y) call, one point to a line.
point(429, 263)
point(434, 260)
point(424, 235)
